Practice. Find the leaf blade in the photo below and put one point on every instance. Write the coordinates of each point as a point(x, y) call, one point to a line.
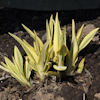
point(59, 68)
point(87, 39)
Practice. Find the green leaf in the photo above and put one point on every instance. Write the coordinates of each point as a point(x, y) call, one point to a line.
point(14, 75)
point(33, 35)
point(43, 54)
point(10, 65)
point(4, 65)
point(73, 30)
point(79, 34)
point(51, 25)
point(18, 77)
point(74, 41)
point(51, 31)
point(30, 52)
point(63, 51)
point(64, 35)
point(87, 39)
point(31, 47)
point(38, 42)
point(57, 35)
point(81, 66)
point(27, 69)
point(18, 59)
point(16, 66)
point(49, 66)
point(59, 68)
point(36, 45)
point(47, 30)
point(33, 65)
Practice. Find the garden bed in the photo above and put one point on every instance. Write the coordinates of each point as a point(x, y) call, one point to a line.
point(85, 85)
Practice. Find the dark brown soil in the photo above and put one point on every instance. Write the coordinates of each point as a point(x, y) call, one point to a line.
point(79, 87)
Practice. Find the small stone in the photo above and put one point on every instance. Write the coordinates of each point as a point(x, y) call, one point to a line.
point(59, 98)
point(44, 37)
point(69, 29)
point(19, 34)
point(98, 58)
point(26, 37)
point(95, 38)
point(97, 95)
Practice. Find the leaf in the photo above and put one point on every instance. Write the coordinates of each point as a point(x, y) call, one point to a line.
point(27, 69)
point(51, 25)
point(74, 62)
point(20, 78)
point(59, 68)
point(81, 66)
point(73, 30)
point(33, 65)
point(4, 65)
point(18, 59)
point(79, 34)
point(87, 39)
point(47, 30)
point(50, 28)
point(10, 65)
point(43, 54)
point(49, 66)
point(31, 47)
point(74, 41)
point(63, 51)
point(38, 42)
point(14, 75)
point(29, 51)
point(51, 52)
point(57, 35)
point(60, 60)
point(36, 45)
point(16, 66)
point(64, 35)
point(33, 36)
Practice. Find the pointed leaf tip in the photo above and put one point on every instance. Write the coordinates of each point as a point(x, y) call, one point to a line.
point(81, 66)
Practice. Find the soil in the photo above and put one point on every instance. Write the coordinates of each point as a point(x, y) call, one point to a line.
point(85, 86)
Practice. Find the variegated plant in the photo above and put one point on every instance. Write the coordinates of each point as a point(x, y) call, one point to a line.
point(16, 68)
point(39, 55)
point(76, 46)
point(61, 51)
